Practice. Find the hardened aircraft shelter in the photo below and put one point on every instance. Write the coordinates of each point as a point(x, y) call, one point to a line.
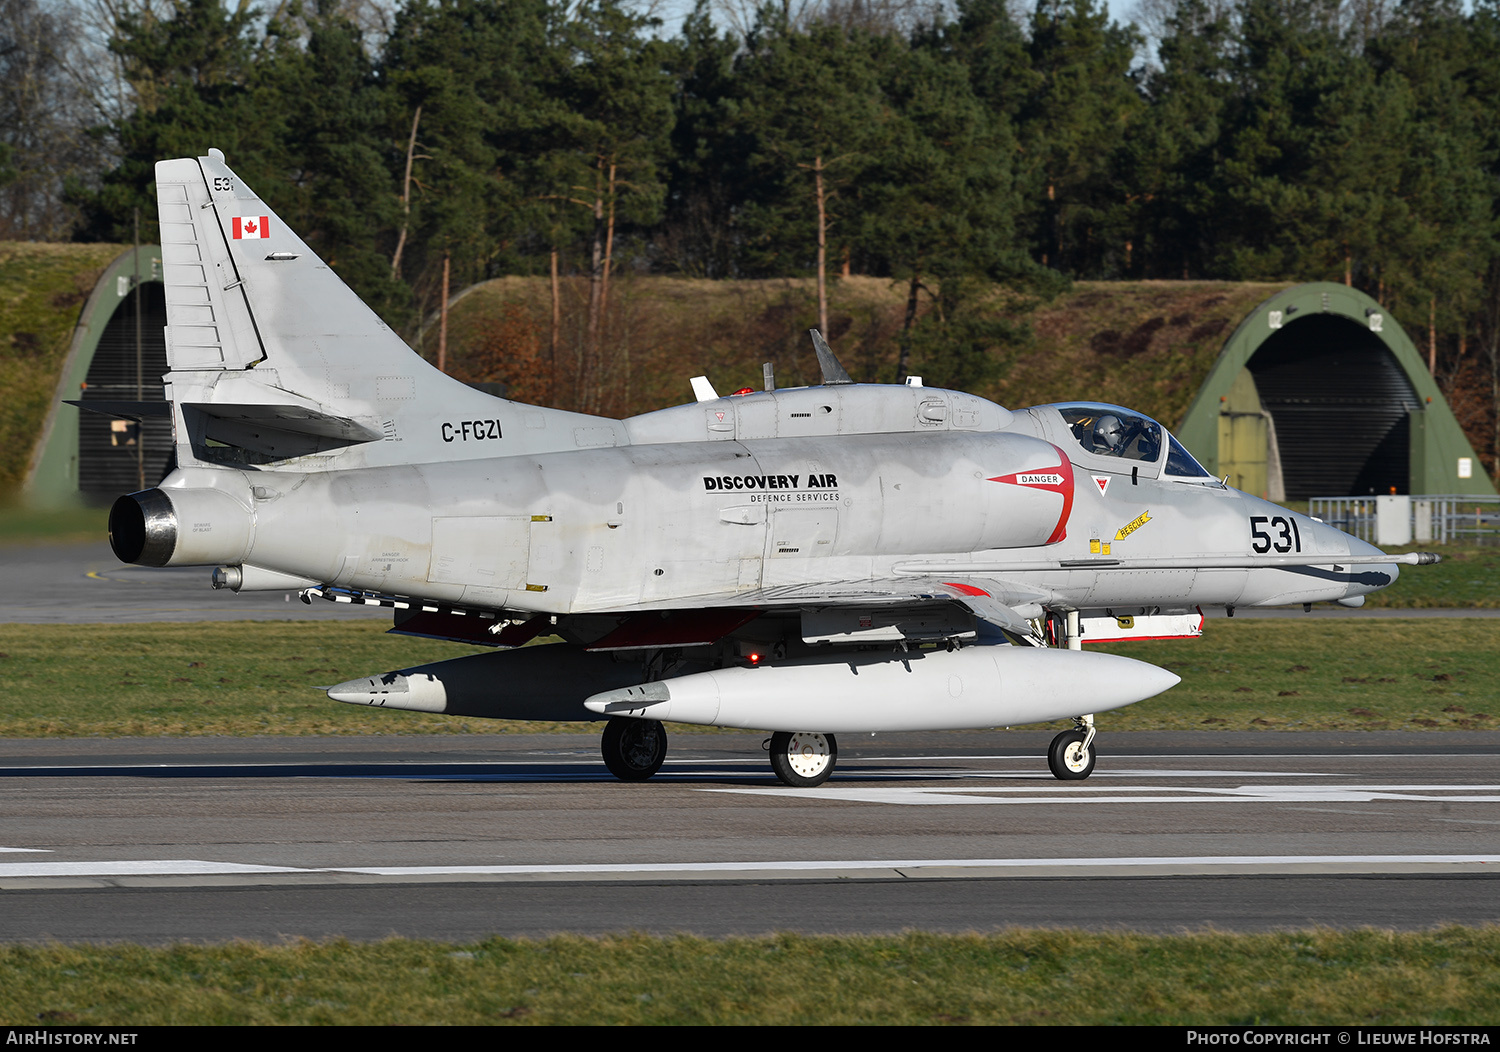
point(1319, 392)
point(88, 457)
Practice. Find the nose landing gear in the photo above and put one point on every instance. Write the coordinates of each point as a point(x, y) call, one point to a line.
point(1071, 754)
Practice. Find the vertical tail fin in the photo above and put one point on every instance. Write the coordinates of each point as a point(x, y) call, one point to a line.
point(244, 291)
point(273, 354)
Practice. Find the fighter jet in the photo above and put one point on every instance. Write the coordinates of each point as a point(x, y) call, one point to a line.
point(811, 561)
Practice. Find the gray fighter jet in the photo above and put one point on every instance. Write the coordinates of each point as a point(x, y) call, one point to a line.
point(810, 561)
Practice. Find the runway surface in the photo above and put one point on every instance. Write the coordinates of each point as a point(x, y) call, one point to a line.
point(459, 837)
point(86, 584)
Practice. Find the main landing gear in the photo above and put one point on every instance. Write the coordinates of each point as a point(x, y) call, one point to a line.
point(633, 749)
point(803, 759)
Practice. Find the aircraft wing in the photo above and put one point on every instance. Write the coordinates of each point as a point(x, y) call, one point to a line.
point(845, 611)
point(873, 611)
point(989, 600)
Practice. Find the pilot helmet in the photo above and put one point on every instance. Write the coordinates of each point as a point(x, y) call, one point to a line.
point(1109, 434)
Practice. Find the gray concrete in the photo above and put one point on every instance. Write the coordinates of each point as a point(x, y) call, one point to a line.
point(86, 584)
point(461, 836)
point(471, 912)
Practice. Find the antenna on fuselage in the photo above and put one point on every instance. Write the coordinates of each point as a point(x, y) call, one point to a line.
point(833, 372)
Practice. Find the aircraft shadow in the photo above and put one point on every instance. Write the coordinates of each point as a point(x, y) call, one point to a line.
point(679, 773)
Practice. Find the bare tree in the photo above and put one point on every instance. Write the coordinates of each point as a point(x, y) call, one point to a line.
point(872, 16)
point(45, 119)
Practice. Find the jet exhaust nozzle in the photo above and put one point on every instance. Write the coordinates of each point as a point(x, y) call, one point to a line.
point(180, 527)
point(143, 528)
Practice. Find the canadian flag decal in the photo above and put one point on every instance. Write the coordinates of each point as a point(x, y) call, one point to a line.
point(252, 227)
point(1058, 479)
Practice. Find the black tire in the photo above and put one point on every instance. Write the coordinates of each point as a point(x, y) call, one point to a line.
point(1066, 758)
point(803, 759)
point(633, 749)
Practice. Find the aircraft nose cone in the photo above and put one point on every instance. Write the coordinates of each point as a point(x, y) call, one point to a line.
point(1124, 681)
point(1158, 680)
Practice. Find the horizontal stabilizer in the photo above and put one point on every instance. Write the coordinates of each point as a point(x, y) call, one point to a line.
point(296, 419)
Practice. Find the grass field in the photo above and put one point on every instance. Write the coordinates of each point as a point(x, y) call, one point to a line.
point(1468, 577)
point(1054, 977)
point(240, 678)
point(20, 525)
point(42, 289)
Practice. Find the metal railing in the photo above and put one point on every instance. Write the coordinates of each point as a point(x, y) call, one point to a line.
point(1422, 518)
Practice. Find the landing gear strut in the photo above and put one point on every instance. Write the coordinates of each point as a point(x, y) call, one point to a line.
point(1071, 754)
point(633, 749)
point(803, 759)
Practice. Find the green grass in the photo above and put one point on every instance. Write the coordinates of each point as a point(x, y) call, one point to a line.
point(20, 525)
point(216, 678)
point(1468, 576)
point(1444, 977)
point(42, 289)
point(247, 678)
point(1323, 675)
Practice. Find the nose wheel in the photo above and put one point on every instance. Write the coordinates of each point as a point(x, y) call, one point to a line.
point(633, 749)
point(1071, 754)
point(803, 759)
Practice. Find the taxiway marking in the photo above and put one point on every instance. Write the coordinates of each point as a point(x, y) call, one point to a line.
point(123, 872)
point(1127, 794)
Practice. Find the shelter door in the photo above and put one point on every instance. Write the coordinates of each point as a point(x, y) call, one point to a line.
point(1243, 442)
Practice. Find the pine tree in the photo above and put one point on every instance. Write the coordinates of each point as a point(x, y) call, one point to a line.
point(1071, 124)
point(811, 107)
point(203, 77)
point(937, 202)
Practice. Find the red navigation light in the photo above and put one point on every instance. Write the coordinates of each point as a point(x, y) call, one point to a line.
point(754, 659)
point(745, 390)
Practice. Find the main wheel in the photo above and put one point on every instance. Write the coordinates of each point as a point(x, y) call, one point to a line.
point(803, 759)
point(633, 749)
point(1068, 758)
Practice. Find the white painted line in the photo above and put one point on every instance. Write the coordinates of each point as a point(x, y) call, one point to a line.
point(37, 850)
point(1073, 793)
point(167, 867)
point(1149, 773)
point(868, 868)
point(909, 864)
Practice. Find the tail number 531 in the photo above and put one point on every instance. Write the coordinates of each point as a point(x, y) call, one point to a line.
point(1274, 533)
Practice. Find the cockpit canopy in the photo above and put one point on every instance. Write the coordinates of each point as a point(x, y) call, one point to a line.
point(1112, 431)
